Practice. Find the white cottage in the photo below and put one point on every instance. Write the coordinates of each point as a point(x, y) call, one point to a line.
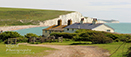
point(92, 26)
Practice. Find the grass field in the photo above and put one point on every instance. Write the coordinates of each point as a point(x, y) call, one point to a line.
point(40, 51)
point(30, 51)
point(111, 47)
point(12, 16)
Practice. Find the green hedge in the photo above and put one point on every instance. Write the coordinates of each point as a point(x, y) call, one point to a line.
point(96, 37)
point(9, 34)
point(65, 35)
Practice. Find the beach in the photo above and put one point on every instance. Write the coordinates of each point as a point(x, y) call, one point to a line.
point(11, 28)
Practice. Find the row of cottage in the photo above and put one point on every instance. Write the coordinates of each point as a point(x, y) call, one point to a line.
point(71, 28)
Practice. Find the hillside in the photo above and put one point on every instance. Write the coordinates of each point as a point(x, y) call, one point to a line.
point(19, 16)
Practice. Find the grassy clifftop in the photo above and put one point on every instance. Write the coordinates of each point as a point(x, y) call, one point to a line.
point(18, 16)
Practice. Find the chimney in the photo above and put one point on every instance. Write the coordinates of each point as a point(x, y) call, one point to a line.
point(94, 21)
point(82, 20)
point(69, 22)
point(59, 22)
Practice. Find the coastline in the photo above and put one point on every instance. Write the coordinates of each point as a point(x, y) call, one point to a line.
point(11, 28)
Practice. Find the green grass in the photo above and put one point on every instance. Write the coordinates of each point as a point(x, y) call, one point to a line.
point(111, 47)
point(70, 42)
point(12, 16)
point(39, 51)
point(34, 51)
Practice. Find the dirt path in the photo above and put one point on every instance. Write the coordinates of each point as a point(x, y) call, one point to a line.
point(76, 51)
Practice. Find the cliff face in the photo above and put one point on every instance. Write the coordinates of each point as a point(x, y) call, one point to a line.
point(75, 17)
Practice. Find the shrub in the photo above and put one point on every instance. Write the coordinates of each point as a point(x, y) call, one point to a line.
point(76, 38)
point(22, 39)
point(117, 40)
point(128, 41)
point(9, 34)
point(129, 52)
point(82, 30)
point(100, 39)
point(28, 35)
point(113, 36)
point(1, 41)
point(65, 35)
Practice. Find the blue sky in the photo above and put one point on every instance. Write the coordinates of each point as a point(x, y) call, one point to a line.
point(102, 9)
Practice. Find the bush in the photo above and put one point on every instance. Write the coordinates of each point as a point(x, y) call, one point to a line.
point(128, 41)
point(22, 39)
point(129, 52)
point(76, 38)
point(28, 35)
point(86, 35)
point(113, 36)
point(1, 41)
point(9, 34)
point(65, 35)
point(100, 39)
point(117, 40)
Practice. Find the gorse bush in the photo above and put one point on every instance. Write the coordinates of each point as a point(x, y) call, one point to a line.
point(100, 39)
point(22, 39)
point(28, 35)
point(113, 36)
point(9, 34)
point(96, 37)
point(65, 35)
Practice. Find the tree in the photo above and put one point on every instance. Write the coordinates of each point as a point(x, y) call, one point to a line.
point(9, 34)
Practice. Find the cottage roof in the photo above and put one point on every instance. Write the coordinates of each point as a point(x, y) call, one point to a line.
point(56, 27)
point(84, 25)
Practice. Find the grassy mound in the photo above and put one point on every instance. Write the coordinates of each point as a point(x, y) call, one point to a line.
point(17, 16)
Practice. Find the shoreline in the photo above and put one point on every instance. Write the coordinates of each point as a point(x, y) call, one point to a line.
point(12, 28)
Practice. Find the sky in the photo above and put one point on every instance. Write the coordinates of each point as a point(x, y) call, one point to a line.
point(101, 9)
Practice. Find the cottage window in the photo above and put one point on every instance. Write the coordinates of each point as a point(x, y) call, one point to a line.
point(72, 29)
point(67, 29)
point(50, 32)
point(45, 31)
point(108, 30)
point(60, 31)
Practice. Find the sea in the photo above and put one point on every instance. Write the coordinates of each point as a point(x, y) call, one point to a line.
point(124, 28)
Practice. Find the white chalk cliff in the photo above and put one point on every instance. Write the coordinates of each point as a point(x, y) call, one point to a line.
point(74, 16)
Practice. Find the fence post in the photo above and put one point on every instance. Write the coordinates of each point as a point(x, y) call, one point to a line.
point(61, 39)
point(34, 40)
point(8, 41)
point(15, 40)
point(53, 38)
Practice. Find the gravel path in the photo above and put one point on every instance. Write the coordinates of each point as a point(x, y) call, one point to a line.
point(75, 51)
